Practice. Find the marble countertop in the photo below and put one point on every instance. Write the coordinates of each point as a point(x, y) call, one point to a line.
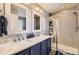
point(15, 47)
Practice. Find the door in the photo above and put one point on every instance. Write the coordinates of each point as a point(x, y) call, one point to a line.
point(66, 29)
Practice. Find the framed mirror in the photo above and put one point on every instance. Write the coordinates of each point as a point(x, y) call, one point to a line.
point(36, 22)
point(22, 23)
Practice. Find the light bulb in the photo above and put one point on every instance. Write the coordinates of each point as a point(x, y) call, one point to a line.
point(41, 11)
point(37, 8)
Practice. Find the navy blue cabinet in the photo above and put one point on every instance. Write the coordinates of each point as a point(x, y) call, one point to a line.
point(28, 51)
point(44, 47)
point(48, 45)
point(36, 49)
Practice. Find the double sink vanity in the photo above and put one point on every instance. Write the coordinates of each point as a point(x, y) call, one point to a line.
point(40, 45)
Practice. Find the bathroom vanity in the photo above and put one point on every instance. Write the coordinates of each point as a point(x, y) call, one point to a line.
point(40, 45)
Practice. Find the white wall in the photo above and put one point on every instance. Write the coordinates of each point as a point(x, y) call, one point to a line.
point(43, 25)
point(2, 8)
point(12, 20)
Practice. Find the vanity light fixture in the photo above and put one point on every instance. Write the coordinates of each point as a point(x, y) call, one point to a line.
point(37, 8)
point(41, 11)
point(27, 3)
point(63, 7)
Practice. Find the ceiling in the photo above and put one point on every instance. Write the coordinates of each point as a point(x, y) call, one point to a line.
point(52, 7)
point(56, 7)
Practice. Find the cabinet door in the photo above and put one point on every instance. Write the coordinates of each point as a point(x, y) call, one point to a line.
point(48, 45)
point(44, 47)
point(28, 52)
point(35, 50)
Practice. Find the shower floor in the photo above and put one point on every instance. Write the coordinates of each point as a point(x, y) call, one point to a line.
point(63, 49)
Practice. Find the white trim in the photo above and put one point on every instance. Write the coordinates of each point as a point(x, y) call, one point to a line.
point(33, 30)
